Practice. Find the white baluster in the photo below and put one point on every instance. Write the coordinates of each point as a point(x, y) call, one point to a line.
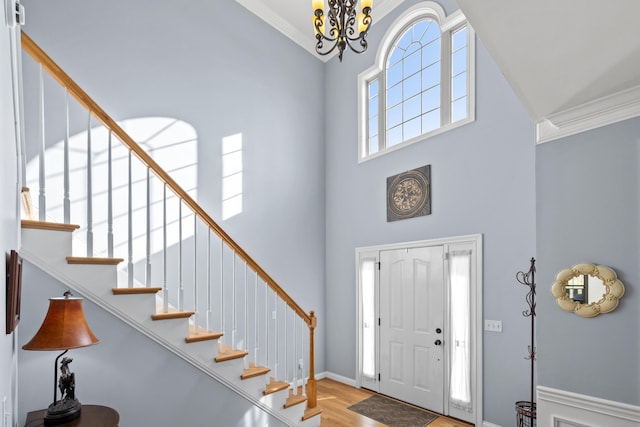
point(255, 316)
point(295, 355)
point(222, 329)
point(234, 310)
point(89, 191)
point(165, 287)
point(148, 269)
point(286, 345)
point(209, 311)
point(110, 199)
point(42, 198)
point(180, 281)
point(130, 225)
point(67, 201)
point(303, 377)
point(276, 334)
point(195, 271)
point(246, 314)
point(266, 324)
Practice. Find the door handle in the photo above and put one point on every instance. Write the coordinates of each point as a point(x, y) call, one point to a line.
point(438, 342)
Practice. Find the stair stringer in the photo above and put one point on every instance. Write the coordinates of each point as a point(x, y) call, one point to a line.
point(95, 282)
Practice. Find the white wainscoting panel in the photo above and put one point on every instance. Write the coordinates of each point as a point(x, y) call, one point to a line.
point(557, 408)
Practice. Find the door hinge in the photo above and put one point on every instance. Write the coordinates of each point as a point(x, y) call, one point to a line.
point(445, 256)
point(378, 377)
point(378, 265)
point(378, 321)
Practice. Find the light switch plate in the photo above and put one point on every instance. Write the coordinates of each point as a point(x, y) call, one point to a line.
point(493, 325)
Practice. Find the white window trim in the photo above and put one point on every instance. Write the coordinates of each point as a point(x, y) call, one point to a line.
point(447, 23)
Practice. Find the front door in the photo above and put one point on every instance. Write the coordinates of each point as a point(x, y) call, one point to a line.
point(411, 325)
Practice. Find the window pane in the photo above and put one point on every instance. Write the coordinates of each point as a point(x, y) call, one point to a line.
point(412, 48)
point(419, 29)
point(459, 38)
point(412, 129)
point(431, 53)
point(432, 33)
point(412, 86)
point(431, 121)
point(373, 125)
point(394, 95)
point(373, 89)
point(373, 144)
point(411, 108)
point(459, 86)
point(394, 116)
point(459, 62)
point(411, 64)
point(394, 74)
point(459, 109)
point(431, 99)
point(431, 76)
point(373, 106)
point(395, 57)
point(405, 40)
point(394, 136)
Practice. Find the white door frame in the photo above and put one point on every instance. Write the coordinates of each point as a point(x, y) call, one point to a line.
point(476, 306)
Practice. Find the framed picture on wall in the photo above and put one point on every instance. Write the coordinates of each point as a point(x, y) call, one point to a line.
point(14, 290)
point(409, 194)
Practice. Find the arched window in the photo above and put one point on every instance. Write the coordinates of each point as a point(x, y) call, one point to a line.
point(422, 83)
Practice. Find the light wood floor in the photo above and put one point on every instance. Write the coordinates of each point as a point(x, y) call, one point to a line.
point(334, 398)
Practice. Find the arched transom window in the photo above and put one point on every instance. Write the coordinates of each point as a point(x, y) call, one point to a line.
point(422, 83)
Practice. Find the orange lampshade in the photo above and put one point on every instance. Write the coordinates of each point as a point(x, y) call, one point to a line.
point(64, 326)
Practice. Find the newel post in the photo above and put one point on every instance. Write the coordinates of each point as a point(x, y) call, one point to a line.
point(311, 383)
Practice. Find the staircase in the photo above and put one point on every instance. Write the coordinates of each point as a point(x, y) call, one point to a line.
point(251, 335)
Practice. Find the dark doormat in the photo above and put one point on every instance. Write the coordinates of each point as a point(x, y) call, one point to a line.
point(392, 412)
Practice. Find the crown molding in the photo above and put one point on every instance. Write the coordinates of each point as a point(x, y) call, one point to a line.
point(609, 109)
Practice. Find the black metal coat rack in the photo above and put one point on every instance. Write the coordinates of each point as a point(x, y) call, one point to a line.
point(526, 410)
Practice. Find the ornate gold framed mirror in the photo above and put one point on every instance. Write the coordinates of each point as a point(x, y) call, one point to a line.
point(587, 289)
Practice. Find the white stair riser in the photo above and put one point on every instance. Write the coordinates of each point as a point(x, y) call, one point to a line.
point(49, 244)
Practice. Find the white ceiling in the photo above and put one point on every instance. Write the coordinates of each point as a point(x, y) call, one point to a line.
point(558, 55)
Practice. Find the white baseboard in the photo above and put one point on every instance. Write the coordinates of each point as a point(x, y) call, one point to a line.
point(558, 408)
point(339, 378)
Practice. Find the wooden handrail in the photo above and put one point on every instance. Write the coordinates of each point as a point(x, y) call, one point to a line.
point(84, 99)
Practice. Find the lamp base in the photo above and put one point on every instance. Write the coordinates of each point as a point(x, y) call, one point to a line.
point(62, 411)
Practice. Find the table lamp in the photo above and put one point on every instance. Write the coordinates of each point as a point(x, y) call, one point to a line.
point(64, 327)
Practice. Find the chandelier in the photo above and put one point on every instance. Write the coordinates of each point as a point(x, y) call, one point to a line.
point(347, 27)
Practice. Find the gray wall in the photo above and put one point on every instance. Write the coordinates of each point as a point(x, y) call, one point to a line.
point(482, 182)
point(597, 356)
point(146, 384)
point(8, 220)
point(222, 70)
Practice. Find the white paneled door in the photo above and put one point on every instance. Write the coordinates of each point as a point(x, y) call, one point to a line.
point(411, 325)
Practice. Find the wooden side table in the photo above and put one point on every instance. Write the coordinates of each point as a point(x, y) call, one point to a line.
point(90, 416)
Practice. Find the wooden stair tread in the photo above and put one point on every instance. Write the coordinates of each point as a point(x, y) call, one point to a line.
point(172, 314)
point(93, 260)
point(275, 386)
point(225, 353)
point(254, 371)
point(311, 412)
point(201, 334)
point(294, 399)
point(43, 225)
point(135, 291)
